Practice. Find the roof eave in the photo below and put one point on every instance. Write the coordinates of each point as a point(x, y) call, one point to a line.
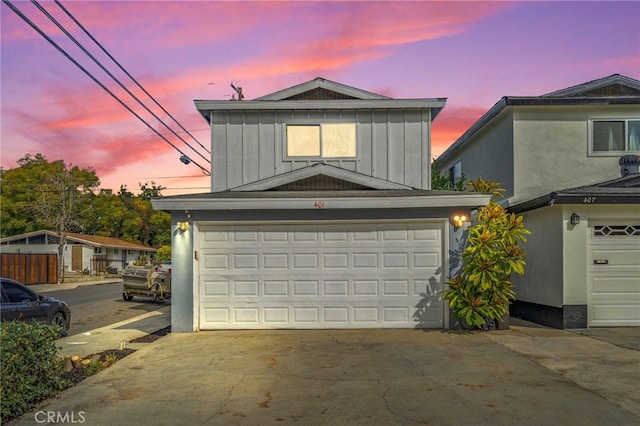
point(470, 200)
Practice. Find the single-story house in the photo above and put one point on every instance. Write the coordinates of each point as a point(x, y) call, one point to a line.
point(82, 253)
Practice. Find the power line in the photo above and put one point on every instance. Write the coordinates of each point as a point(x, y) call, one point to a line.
point(77, 43)
point(125, 71)
point(77, 64)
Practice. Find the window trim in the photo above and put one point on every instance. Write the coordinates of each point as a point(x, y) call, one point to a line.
point(319, 123)
point(626, 120)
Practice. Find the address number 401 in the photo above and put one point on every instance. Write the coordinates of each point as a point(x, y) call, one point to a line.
point(589, 200)
point(318, 205)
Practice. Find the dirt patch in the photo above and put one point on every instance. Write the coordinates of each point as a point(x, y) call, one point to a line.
point(79, 369)
point(152, 337)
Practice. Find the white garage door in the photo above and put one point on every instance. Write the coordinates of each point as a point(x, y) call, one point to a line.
point(348, 275)
point(614, 278)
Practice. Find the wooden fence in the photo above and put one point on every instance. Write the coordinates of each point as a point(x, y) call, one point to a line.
point(30, 268)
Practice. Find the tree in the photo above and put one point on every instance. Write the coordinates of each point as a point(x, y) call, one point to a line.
point(50, 195)
point(142, 223)
point(442, 182)
point(481, 294)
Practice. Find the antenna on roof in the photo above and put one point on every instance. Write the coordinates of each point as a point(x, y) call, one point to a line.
point(238, 91)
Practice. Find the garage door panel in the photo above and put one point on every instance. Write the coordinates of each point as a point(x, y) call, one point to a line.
point(321, 276)
point(614, 276)
point(615, 285)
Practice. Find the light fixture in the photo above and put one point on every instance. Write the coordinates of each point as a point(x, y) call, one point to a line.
point(458, 220)
point(575, 219)
point(183, 226)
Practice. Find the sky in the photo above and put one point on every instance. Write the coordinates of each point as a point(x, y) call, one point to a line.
point(470, 52)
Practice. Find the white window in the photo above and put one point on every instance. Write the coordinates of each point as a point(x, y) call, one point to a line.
point(615, 136)
point(97, 250)
point(327, 140)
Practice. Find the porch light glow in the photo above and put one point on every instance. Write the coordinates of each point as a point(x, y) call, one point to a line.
point(458, 220)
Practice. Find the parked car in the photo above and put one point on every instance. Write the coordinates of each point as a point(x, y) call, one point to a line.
point(19, 302)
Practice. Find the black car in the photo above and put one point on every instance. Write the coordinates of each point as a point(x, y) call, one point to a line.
point(19, 302)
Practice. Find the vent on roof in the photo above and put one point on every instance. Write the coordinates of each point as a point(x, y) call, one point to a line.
point(629, 165)
point(319, 94)
point(320, 183)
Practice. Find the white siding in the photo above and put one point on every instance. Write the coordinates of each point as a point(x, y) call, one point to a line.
point(249, 145)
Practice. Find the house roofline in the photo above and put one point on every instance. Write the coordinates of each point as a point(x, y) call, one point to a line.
point(323, 83)
point(319, 169)
point(511, 101)
point(434, 104)
point(80, 238)
point(310, 200)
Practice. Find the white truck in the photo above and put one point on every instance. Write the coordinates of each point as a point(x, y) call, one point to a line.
point(146, 281)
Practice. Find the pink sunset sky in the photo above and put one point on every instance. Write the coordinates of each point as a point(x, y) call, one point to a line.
point(471, 53)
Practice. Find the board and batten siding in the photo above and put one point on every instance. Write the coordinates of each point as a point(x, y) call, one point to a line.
point(248, 146)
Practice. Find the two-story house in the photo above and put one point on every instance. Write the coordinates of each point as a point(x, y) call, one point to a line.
point(320, 215)
point(568, 161)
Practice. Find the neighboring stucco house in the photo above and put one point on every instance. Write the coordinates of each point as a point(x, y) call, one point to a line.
point(568, 161)
point(320, 215)
point(81, 252)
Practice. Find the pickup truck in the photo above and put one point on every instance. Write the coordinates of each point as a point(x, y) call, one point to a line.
point(146, 281)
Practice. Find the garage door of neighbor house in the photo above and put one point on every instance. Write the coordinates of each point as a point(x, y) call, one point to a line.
point(343, 275)
point(614, 274)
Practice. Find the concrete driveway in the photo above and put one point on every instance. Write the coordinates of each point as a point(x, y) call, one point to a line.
point(364, 377)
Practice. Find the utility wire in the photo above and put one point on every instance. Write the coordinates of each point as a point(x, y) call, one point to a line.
point(114, 78)
point(66, 55)
point(125, 71)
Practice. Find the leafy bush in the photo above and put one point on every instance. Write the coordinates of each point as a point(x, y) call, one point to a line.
point(31, 369)
point(481, 294)
point(163, 254)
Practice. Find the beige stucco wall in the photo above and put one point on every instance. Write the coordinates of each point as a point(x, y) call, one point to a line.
point(490, 146)
point(551, 148)
point(542, 281)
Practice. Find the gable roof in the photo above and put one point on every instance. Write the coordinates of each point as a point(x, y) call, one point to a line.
point(319, 169)
point(320, 83)
point(615, 89)
point(92, 240)
point(613, 85)
point(319, 94)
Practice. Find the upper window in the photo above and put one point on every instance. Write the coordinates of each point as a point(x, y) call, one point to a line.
point(615, 136)
point(335, 140)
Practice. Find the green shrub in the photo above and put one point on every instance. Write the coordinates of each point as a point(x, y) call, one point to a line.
point(481, 294)
point(31, 368)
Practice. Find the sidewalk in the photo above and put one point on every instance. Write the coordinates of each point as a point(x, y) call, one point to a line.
point(43, 288)
point(115, 336)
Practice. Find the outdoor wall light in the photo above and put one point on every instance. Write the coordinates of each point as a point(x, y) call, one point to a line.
point(183, 226)
point(575, 219)
point(458, 220)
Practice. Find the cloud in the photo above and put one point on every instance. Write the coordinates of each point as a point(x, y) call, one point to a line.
point(450, 124)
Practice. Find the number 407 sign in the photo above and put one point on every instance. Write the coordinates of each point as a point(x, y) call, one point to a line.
point(318, 205)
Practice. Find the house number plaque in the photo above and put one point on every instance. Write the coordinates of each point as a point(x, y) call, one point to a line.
point(318, 205)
